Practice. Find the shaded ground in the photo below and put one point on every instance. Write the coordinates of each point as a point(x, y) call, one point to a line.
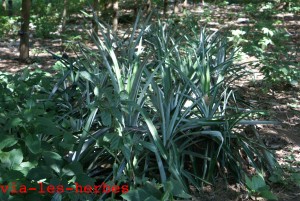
point(39, 58)
point(283, 103)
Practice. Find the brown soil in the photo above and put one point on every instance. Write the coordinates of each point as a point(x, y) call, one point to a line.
point(39, 58)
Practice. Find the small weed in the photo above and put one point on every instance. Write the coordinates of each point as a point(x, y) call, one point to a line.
point(257, 187)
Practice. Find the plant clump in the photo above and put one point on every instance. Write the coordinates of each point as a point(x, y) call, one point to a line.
point(152, 109)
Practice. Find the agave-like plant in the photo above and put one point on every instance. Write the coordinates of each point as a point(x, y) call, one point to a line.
point(156, 104)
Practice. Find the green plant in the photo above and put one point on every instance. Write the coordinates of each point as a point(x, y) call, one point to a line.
point(9, 25)
point(268, 43)
point(152, 108)
point(257, 187)
point(23, 119)
point(35, 143)
point(156, 105)
point(45, 26)
point(152, 191)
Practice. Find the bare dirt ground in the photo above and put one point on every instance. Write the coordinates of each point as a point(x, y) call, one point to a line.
point(282, 102)
point(39, 58)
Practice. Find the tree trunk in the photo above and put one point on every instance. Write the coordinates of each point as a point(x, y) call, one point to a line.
point(64, 17)
point(3, 5)
point(185, 4)
point(24, 33)
point(95, 16)
point(115, 14)
point(106, 11)
point(149, 6)
point(176, 8)
point(165, 7)
point(135, 7)
point(10, 8)
point(63, 24)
